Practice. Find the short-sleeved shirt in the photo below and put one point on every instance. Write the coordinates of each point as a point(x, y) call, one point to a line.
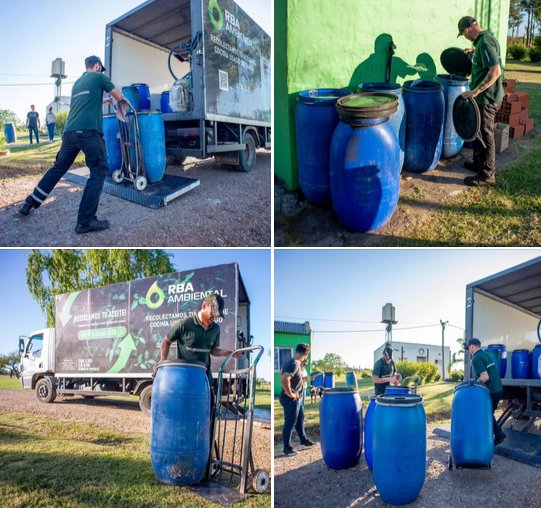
point(32, 117)
point(382, 369)
point(194, 343)
point(483, 362)
point(87, 102)
point(50, 118)
point(293, 368)
point(486, 54)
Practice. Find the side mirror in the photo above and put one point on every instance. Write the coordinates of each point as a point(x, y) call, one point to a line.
point(21, 345)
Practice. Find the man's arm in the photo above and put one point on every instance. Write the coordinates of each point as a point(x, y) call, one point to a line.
point(218, 351)
point(492, 76)
point(484, 377)
point(164, 349)
point(39, 123)
point(285, 381)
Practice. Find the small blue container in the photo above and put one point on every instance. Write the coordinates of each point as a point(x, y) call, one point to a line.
point(164, 102)
point(328, 381)
point(9, 133)
point(112, 142)
point(520, 364)
point(351, 380)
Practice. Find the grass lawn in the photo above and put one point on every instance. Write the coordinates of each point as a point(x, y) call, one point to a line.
point(437, 398)
point(47, 463)
point(510, 213)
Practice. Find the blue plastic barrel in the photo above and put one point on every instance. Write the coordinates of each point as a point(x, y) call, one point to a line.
point(152, 135)
point(472, 440)
point(369, 433)
point(112, 142)
point(341, 427)
point(315, 121)
point(425, 109)
point(501, 351)
point(398, 119)
point(536, 362)
point(317, 382)
point(399, 447)
point(365, 163)
point(133, 96)
point(9, 133)
point(328, 380)
point(520, 364)
point(180, 423)
point(164, 102)
point(453, 86)
point(144, 95)
point(351, 379)
point(397, 390)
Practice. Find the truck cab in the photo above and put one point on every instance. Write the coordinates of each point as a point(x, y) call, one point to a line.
point(37, 356)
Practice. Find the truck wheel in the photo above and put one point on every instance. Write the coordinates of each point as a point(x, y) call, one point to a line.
point(45, 390)
point(145, 399)
point(247, 157)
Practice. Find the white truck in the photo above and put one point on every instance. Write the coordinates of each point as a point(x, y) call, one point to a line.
point(505, 309)
point(107, 339)
point(217, 56)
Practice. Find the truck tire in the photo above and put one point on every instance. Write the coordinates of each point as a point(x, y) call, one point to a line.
point(145, 399)
point(45, 390)
point(247, 158)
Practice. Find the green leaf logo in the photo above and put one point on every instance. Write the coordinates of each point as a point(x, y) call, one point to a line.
point(215, 9)
point(154, 297)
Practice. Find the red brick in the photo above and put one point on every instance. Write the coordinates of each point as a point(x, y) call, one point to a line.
point(510, 97)
point(522, 96)
point(513, 120)
point(511, 107)
point(524, 116)
point(510, 84)
point(517, 132)
point(529, 126)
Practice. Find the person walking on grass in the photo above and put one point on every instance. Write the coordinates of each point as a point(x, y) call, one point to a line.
point(50, 120)
point(486, 89)
point(83, 132)
point(33, 123)
point(291, 399)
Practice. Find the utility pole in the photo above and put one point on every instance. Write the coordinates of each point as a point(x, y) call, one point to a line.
point(443, 323)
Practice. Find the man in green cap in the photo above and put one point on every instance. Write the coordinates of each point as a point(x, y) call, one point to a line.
point(384, 372)
point(489, 375)
point(487, 90)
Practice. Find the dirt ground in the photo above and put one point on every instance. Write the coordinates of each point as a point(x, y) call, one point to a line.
point(228, 208)
point(508, 483)
point(122, 415)
point(297, 223)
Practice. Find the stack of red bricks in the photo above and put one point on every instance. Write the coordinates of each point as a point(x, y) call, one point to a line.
point(514, 110)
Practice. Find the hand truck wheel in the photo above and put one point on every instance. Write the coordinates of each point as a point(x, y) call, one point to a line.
point(117, 176)
point(140, 183)
point(260, 481)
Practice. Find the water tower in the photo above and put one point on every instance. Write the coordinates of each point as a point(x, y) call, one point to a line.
point(388, 317)
point(58, 71)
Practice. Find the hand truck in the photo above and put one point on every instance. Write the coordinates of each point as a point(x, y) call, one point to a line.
point(231, 438)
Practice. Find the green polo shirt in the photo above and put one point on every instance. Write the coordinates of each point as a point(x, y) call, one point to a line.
point(87, 102)
point(382, 369)
point(483, 362)
point(193, 341)
point(486, 54)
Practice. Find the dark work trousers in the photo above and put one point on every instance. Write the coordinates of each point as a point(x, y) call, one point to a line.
point(294, 417)
point(33, 129)
point(484, 147)
point(92, 145)
point(495, 398)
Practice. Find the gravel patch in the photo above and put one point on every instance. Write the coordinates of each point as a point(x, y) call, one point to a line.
point(508, 483)
point(228, 209)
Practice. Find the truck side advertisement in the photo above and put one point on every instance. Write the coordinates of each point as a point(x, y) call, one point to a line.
point(237, 62)
point(119, 328)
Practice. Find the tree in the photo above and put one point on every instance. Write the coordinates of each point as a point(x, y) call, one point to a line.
point(331, 362)
point(515, 16)
point(59, 271)
point(10, 362)
point(7, 116)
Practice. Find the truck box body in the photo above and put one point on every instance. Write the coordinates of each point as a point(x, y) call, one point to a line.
point(229, 69)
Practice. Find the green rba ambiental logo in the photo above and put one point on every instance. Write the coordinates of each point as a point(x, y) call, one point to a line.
point(155, 296)
point(215, 9)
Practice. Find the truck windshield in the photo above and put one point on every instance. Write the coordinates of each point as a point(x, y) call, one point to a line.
point(35, 345)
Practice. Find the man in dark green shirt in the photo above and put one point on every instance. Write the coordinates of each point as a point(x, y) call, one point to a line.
point(487, 89)
point(488, 373)
point(83, 132)
point(384, 372)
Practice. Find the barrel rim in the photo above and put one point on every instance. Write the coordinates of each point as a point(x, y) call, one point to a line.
point(378, 86)
point(311, 96)
point(182, 363)
point(467, 384)
point(520, 350)
point(413, 86)
point(340, 391)
point(499, 345)
point(399, 400)
point(453, 77)
point(145, 112)
point(354, 114)
point(139, 84)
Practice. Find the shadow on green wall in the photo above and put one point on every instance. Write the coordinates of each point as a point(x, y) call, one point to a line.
point(374, 68)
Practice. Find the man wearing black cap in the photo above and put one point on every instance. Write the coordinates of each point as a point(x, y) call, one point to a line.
point(83, 131)
point(198, 336)
point(488, 374)
point(487, 89)
point(384, 372)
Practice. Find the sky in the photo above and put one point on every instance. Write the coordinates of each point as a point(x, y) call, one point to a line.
point(21, 315)
point(36, 32)
point(339, 290)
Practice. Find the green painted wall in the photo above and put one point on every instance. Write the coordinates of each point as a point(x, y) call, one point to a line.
point(288, 340)
point(320, 44)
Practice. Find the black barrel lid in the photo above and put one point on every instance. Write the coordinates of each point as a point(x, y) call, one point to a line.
point(456, 62)
point(466, 118)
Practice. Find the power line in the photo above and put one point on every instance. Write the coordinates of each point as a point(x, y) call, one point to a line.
point(35, 84)
point(378, 330)
point(24, 75)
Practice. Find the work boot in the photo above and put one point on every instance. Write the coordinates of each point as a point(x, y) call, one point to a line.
point(479, 181)
point(28, 204)
point(289, 452)
point(93, 225)
point(472, 166)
